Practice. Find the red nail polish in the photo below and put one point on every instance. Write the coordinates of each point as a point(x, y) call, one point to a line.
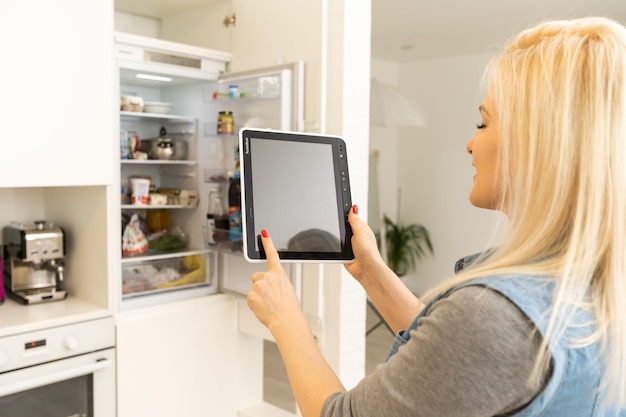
point(264, 233)
point(355, 209)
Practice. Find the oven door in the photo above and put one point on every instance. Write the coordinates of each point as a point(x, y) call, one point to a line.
point(80, 386)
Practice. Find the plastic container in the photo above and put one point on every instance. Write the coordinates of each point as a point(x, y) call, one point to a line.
point(140, 191)
point(124, 145)
point(165, 274)
point(233, 91)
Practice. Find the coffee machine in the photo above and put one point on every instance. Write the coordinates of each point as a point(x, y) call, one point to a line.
point(34, 262)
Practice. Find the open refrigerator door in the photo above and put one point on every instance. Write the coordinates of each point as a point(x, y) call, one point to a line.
point(269, 98)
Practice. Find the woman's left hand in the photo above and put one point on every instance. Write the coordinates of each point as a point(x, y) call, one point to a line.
point(272, 298)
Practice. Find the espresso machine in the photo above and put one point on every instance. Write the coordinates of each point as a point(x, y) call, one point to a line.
point(34, 262)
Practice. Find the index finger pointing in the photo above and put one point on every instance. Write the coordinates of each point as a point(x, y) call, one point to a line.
point(273, 260)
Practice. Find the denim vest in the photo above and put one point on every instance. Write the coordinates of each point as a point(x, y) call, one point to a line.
point(573, 389)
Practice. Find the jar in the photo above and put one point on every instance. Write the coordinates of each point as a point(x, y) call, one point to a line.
point(225, 123)
point(157, 220)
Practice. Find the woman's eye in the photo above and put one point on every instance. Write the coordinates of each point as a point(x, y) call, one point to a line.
point(480, 126)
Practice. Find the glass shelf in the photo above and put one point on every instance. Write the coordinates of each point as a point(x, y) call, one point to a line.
point(245, 97)
point(157, 162)
point(159, 116)
point(161, 256)
point(155, 207)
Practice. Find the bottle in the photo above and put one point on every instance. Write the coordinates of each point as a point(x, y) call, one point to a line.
point(233, 91)
point(124, 145)
point(234, 208)
point(217, 218)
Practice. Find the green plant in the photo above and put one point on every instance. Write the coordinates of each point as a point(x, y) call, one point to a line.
point(405, 245)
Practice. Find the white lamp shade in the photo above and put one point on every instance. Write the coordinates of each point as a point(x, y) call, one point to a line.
point(390, 107)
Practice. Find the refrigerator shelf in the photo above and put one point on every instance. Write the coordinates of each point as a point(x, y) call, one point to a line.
point(161, 256)
point(129, 115)
point(148, 207)
point(157, 162)
point(245, 98)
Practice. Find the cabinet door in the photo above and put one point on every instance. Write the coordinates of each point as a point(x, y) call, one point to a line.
point(186, 359)
point(57, 84)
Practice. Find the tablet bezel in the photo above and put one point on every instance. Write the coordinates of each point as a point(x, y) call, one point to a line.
point(342, 192)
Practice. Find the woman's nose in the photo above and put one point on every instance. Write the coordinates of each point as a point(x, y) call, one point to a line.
point(469, 146)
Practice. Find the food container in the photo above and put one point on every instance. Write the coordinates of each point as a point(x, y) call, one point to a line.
point(131, 103)
point(158, 107)
point(140, 191)
point(158, 199)
point(165, 147)
point(178, 197)
point(158, 220)
point(163, 275)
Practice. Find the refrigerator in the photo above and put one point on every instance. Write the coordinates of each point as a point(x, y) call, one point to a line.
point(180, 114)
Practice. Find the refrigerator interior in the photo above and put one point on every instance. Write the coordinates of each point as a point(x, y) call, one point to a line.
point(263, 99)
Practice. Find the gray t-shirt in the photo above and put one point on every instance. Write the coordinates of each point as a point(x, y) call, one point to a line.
point(471, 355)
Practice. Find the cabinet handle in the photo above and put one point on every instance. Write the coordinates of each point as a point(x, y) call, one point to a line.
point(53, 378)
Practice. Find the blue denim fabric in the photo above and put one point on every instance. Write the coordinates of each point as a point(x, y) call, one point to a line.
point(574, 386)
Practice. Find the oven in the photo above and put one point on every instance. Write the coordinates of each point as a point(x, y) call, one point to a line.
point(65, 371)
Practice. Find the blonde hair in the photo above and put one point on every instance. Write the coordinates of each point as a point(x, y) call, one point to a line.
point(559, 93)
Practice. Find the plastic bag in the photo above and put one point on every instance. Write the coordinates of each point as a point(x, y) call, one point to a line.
point(134, 241)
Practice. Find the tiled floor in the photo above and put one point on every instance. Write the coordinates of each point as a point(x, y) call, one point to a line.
point(276, 386)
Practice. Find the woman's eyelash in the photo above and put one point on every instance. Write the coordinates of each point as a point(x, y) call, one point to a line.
point(480, 126)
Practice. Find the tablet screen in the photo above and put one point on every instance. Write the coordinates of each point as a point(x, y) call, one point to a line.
point(295, 186)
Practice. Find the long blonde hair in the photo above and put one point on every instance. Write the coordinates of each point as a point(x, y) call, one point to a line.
point(560, 97)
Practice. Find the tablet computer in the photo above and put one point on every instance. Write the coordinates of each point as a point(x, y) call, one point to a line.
point(296, 186)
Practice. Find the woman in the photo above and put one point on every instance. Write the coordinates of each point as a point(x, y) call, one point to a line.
point(536, 326)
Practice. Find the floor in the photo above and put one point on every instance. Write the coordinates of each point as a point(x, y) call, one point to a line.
point(276, 386)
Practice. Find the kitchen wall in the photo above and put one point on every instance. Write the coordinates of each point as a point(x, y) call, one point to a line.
point(139, 25)
point(384, 141)
point(434, 170)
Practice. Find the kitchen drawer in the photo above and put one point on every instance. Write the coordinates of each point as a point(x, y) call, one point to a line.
point(150, 275)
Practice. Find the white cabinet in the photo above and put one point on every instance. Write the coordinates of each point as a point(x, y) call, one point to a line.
point(56, 84)
point(186, 359)
point(57, 158)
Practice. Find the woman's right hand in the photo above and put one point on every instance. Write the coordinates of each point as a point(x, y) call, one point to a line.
point(366, 253)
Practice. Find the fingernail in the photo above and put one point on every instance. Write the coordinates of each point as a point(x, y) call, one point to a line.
point(355, 209)
point(264, 233)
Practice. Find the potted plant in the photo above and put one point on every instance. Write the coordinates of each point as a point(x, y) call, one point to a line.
point(405, 245)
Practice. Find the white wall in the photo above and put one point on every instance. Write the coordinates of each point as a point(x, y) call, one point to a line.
point(138, 25)
point(434, 170)
point(384, 139)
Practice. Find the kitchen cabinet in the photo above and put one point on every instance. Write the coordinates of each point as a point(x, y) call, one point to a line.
point(57, 159)
point(186, 359)
point(55, 88)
